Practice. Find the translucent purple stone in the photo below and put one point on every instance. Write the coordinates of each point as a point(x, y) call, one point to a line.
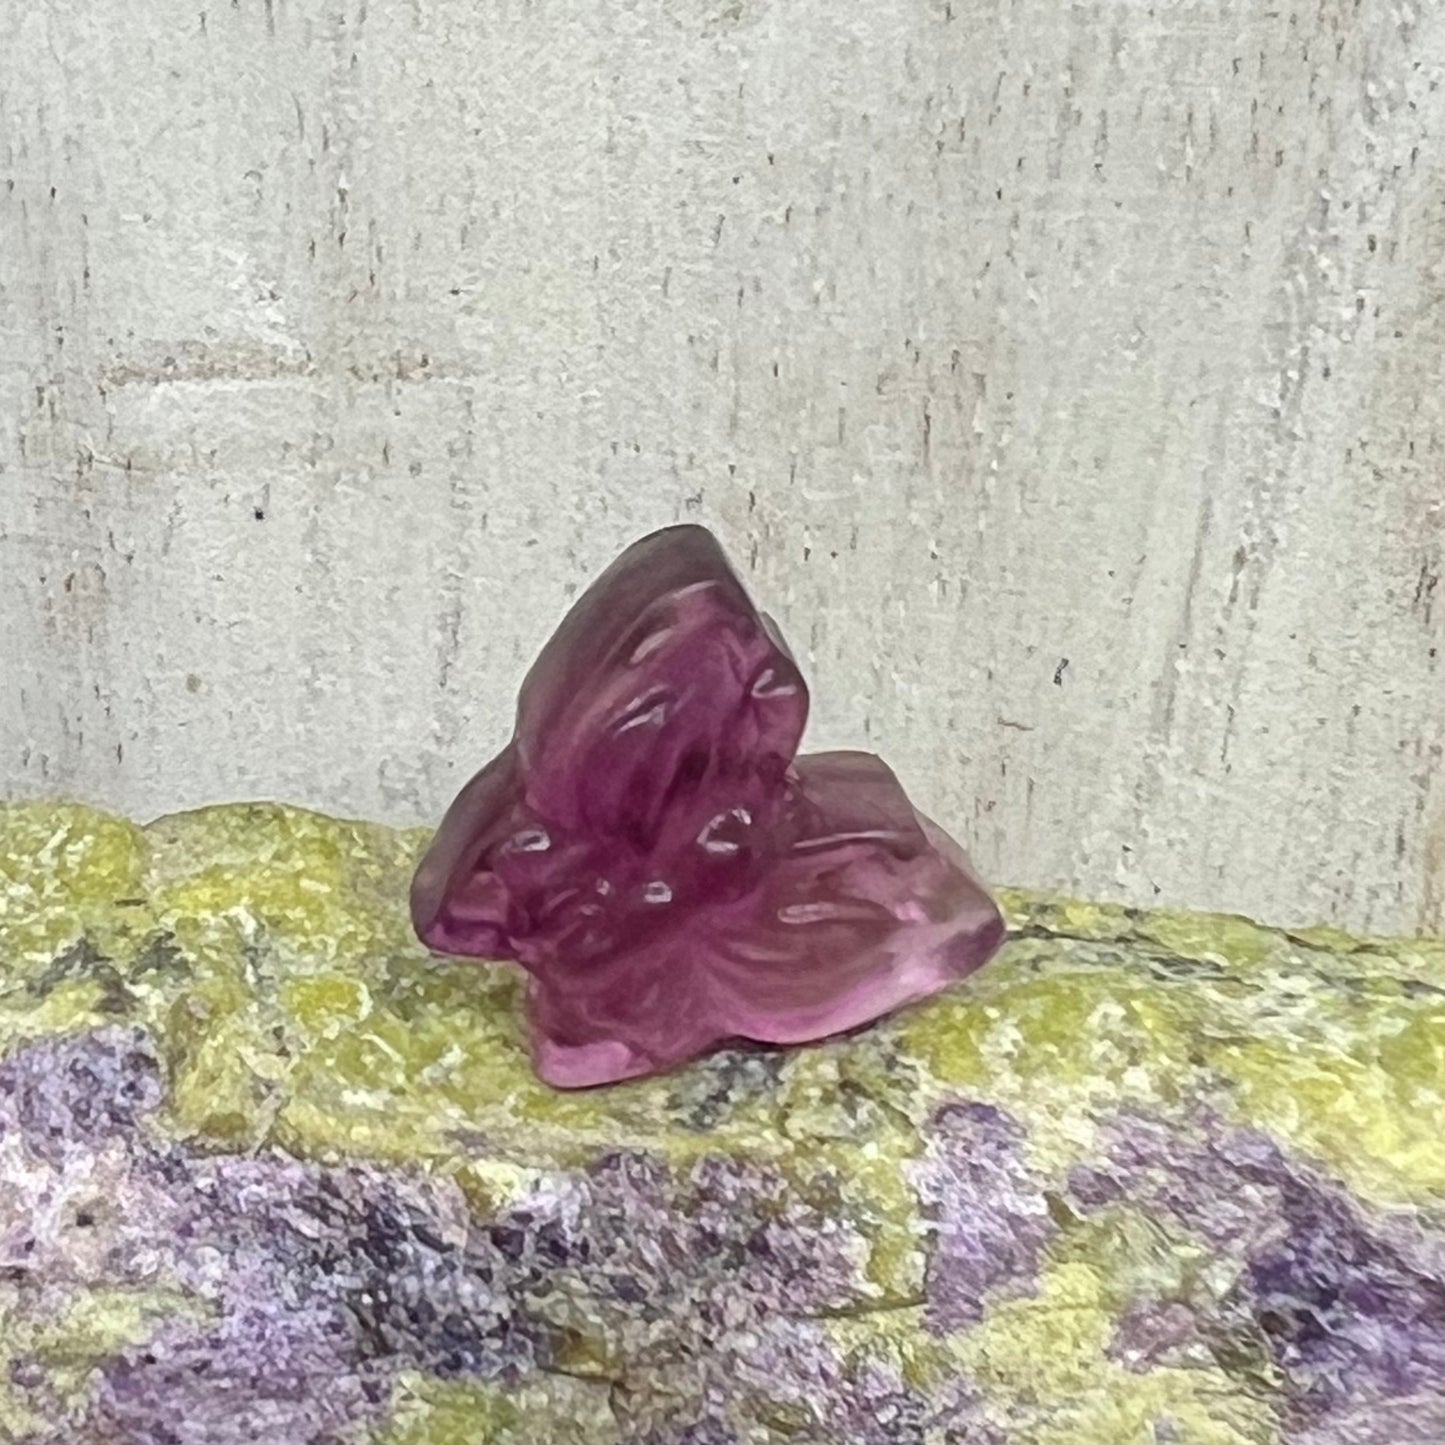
point(650, 849)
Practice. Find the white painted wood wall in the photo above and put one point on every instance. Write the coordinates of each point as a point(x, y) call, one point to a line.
point(1068, 378)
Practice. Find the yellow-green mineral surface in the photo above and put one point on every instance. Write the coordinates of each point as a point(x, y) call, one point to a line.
point(270, 1173)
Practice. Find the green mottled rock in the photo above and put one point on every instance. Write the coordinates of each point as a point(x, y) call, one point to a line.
point(268, 1172)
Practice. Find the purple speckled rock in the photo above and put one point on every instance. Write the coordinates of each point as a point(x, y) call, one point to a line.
point(1347, 1309)
point(270, 1175)
point(311, 1288)
point(298, 1272)
point(649, 848)
point(992, 1222)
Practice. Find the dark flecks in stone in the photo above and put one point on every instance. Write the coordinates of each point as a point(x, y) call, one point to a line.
point(27, 1373)
point(1094, 1188)
point(1084, 949)
point(1172, 966)
point(1419, 988)
point(80, 960)
point(83, 961)
point(626, 1287)
point(718, 1085)
point(160, 956)
point(1059, 1211)
point(68, 1092)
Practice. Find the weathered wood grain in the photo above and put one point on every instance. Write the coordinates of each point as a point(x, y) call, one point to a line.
point(1066, 378)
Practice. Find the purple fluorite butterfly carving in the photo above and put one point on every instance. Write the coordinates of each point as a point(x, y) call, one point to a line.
point(649, 848)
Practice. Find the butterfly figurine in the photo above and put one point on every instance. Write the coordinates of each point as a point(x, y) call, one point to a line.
point(670, 873)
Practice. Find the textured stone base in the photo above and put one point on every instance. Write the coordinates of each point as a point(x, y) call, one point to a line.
point(269, 1173)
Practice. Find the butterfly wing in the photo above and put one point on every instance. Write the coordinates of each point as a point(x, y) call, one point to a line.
point(663, 684)
point(663, 703)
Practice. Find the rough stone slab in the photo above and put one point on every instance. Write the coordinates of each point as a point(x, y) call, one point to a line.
point(269, 1173)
